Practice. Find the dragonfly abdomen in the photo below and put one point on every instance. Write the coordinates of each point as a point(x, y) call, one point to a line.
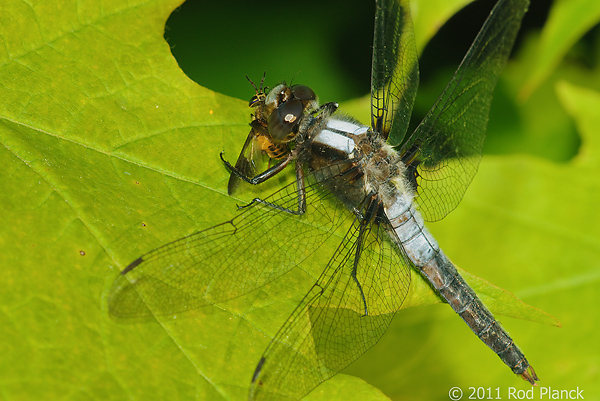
point(424, 252)
point(419, 245)
point(442, 274)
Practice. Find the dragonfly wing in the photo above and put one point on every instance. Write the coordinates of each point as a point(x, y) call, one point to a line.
point(230, 259)
point(395, 70)
point(345, 313)
point(448, 143)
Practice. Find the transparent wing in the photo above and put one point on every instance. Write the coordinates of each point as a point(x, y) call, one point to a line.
point(345, 313)
point(395, 70)
point(248, 163)
point(448, 143)
point(230, 259)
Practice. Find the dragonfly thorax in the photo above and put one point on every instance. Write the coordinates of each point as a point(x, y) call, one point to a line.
point(371, 166)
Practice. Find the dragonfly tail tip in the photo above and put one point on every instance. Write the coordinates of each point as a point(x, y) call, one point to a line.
point(530, 376)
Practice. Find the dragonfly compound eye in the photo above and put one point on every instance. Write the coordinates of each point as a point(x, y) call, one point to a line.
point(303, 92)
point(283, 120)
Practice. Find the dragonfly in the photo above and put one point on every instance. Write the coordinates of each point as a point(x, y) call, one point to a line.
point(380, 181)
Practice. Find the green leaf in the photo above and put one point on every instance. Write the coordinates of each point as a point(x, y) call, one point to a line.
point(581, 104)
point(430, 15)
point(569, 20)
point(110, 150)
point(103, 139)
point(344, 387)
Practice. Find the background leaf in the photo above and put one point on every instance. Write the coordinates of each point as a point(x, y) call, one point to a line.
point(568, 22)
point(110, 150)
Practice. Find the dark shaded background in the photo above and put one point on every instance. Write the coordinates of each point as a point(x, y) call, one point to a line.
point(327, 45)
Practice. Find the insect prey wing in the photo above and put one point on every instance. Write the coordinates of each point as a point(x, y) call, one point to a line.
point(246, 162)
point(395, 70)
point(230, 259)
point(345, 313)
point(448, 144)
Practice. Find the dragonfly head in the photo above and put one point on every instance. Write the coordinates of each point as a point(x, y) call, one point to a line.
point(287, 106)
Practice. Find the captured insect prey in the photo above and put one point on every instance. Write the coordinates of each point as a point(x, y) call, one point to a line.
point(380, 180)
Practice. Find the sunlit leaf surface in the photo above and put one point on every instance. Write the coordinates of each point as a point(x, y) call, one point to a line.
point(109, 150)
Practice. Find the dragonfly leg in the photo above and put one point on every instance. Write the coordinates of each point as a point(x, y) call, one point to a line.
point(327, 109)
point(366, 222)
point(300, 190)
point(261, 177)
